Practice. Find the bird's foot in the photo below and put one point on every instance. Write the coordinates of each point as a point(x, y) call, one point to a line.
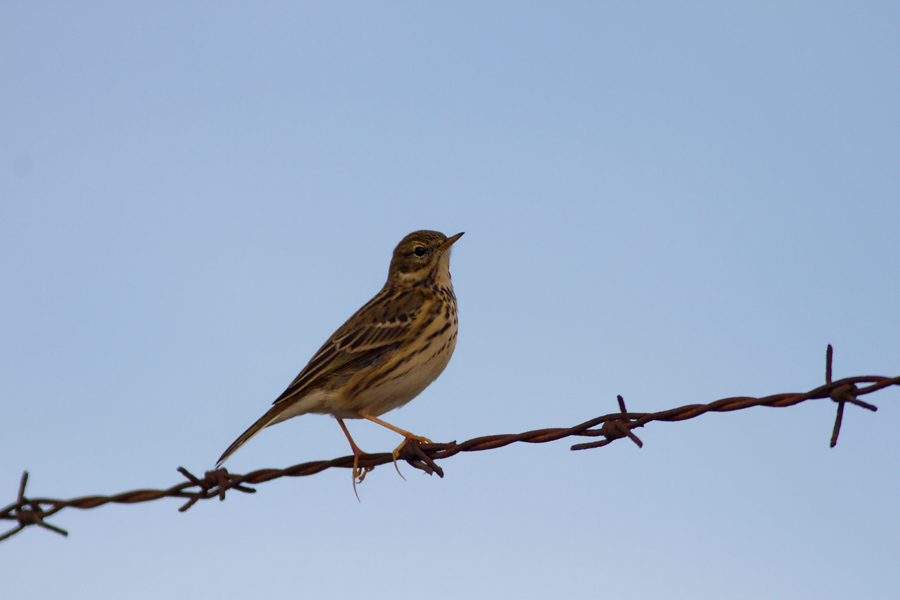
point(406, 438)
point(359, 474)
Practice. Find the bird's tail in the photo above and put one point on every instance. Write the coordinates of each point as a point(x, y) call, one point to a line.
point(270, 418)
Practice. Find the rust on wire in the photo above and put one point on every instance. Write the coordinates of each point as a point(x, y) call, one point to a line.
point(34, 511)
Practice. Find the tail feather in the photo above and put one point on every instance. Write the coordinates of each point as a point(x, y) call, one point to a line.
point(271, 417)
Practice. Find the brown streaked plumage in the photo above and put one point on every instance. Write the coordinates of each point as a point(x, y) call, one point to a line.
point(386, 353)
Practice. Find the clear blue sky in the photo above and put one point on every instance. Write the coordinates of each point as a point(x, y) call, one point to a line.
point(672, 203)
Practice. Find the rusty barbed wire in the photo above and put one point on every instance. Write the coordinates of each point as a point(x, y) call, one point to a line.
point(34, 511)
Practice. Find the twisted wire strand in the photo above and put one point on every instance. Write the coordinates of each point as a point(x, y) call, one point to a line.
point(34, 511)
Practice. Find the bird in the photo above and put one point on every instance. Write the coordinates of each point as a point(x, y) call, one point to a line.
point(385, 355)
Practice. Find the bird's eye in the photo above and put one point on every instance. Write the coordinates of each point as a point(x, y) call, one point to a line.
point(419, 250)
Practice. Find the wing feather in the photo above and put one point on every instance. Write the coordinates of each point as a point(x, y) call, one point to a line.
point(375, 331)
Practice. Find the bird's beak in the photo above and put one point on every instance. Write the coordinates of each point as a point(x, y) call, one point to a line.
point(449, 241)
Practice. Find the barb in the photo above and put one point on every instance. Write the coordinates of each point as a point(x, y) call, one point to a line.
point(34, 511)
point(28, 512)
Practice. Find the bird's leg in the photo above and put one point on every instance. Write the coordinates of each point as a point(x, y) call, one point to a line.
point(406, 435)
point(358, 474)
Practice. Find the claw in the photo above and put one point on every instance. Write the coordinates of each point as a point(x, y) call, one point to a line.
point(358, 474)
point(396, 453)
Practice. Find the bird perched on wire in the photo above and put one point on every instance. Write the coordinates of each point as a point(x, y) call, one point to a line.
point(385, 354)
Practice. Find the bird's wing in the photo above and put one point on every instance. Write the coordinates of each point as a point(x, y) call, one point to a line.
point(373, 332)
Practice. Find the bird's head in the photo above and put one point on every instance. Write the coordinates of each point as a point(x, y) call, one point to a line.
point(422, 256)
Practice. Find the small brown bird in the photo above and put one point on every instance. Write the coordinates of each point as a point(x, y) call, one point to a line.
point(385, 354)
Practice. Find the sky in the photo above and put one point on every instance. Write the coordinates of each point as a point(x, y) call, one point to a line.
point(675, 202)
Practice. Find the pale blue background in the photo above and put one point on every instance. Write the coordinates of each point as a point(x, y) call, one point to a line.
point(673, 203)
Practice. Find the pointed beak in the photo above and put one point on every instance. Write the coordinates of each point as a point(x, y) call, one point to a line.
point(449, 241)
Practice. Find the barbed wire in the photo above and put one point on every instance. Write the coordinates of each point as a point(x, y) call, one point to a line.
point(34, 511)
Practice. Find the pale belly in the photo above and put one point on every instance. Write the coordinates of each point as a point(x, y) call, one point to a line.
point(394, 392)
